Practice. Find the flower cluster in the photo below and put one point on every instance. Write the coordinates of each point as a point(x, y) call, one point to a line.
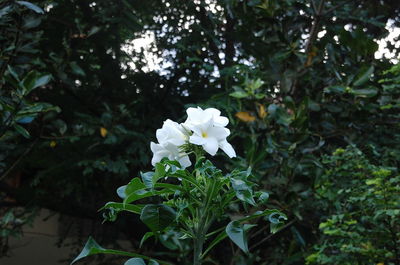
point(205, 128)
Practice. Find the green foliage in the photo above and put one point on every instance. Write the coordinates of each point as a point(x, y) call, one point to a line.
point(20, 107)
point(362, 225)
point(188, 204)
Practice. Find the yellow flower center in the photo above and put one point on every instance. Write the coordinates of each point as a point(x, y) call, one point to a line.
point(204, 134)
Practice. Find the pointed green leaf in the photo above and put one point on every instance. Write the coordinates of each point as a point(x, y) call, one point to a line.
point(236, 232)
point(33, 80)
point(76, 69)
point(12, 72)
point(147, 178)
point(159, 173)
point(41, 80)
point(365, 93)
point(263, 196)
point(364, 76)
point(133, 208)
point(243, 190)
point(239, 94)
point(338, 89)
point(4, 11)
point(22, 131)
point(157, 216)
point(31, 6)
point(92, 248)
point(135, 261)
point(134, 185)
point(145, 237)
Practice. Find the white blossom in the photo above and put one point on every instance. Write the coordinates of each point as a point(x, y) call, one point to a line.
point(170, 151)
point(198, 116)
point(208, 127)
point(172, 132)
point(170, 137)
point(202, 127)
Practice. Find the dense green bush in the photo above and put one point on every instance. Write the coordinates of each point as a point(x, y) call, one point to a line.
point(360, 202)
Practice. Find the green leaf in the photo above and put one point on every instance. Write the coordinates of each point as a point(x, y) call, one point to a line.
point(298, 236)
point(135, 261)
point(243, 190)
point(277, 221)
point(31, 6)
point(335, 89)
point(134, 185)
point(139, 194)
point(121, 192)
point(93, 31)
point(221, 236)
point(92, 248)
point(314, 106)
point(4, 11)
point(119, 206)
point(157, 216)
point(13, 72)
point(365, 93)
point(158, 173)
point(31, 22)
point(33, 80)
point(24, 119)
point(139, 261)
point(145, 237)
point(239, 94)
point(22, 131)
point(364, 76)
point(41, 80)
point(263, 196)
point(147, 178)
point(237, 233)
point(76, 69)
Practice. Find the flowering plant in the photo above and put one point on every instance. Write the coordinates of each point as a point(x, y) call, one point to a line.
point(188, 203)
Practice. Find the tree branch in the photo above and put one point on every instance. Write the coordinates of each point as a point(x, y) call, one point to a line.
point(313, 35)
point(207, 25)
point(315, 26)
point(16, 162)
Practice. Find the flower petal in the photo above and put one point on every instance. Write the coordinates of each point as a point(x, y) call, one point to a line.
point(158, 152)
point(194, 114)
point(196, 139)
point(218, 133)
point(211, 145)
point(184, 161)
point(227, 148)
point(219, 120)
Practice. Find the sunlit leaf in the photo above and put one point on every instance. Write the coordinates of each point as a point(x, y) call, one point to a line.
point(245, 116)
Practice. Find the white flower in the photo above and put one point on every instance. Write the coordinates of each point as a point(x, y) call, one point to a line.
point(208, 130)
point(170, 137)
point(170, 151)
point(202, 127)
point(172, 132)
point(197, 116)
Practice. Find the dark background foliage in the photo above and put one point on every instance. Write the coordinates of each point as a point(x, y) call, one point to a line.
point(80, 102)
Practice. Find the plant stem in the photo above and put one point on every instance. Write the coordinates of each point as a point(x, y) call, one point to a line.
point(198, 241)
point(203, 214)
point(198, 249)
